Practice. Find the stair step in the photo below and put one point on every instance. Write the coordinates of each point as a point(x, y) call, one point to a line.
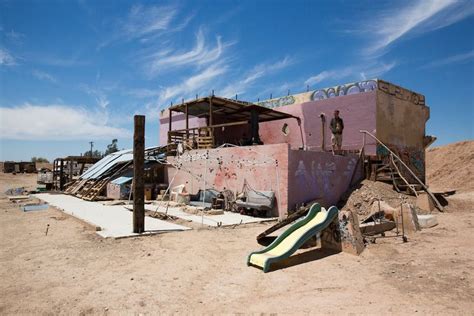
point(411, 185)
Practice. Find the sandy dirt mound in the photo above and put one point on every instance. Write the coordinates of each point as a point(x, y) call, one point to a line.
point(362, 198)
point(451, 167)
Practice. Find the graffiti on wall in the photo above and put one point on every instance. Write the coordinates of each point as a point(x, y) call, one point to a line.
point(414, 158)
point(401, 93)
point(319, 177)
point(274, 103)
point(345, 89)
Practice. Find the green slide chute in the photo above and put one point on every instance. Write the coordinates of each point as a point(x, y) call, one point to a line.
point(293, 238)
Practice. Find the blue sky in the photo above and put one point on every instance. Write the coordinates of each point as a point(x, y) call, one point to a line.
point(77, 71)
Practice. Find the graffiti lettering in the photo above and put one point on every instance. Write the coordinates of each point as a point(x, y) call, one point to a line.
point(347, 89)
point(286, 100)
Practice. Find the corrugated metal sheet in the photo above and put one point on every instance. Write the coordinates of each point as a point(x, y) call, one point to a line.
point(122, 180)
point(108, 162)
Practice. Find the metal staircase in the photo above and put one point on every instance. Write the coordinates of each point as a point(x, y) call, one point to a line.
point(391, 172)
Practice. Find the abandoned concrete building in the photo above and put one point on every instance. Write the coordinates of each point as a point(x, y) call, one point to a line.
point(225, 162)
point(271, 157)
point(282, 147)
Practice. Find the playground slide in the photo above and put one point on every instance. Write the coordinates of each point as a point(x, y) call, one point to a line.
point(294, 237)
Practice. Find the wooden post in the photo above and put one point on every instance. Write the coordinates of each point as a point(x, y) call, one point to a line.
point(187, 123)
point(170, 118)
point(210, 123)
point(323, 136)
point(71, 170)
point(170, 125)
point(210, 111)
point(138, 172)
point(61, 175)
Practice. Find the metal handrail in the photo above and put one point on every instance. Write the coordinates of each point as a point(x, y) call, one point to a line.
point(438, 205)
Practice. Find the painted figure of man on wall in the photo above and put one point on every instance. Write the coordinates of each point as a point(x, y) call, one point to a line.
point(337, 126)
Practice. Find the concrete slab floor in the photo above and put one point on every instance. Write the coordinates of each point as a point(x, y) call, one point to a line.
point(226, 219)
point(114, 221)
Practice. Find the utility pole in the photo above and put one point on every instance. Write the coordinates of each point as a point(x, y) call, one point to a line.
point(138, 172)
point(92, 145)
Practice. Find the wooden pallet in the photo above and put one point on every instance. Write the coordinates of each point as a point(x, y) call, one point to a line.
point(96, 189)
point(205, 142)
point(76, 186)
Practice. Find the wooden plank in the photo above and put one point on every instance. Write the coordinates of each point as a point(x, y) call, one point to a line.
point(138, 174)
point(291, 218)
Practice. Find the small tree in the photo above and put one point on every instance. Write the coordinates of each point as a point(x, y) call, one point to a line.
point(111, 148)
point(39, 159)
point(95, 154)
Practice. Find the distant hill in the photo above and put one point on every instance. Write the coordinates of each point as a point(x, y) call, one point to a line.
point(451, 166)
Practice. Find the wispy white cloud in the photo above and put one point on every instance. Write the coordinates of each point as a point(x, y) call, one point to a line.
point(60, 61)
point(56, 122)
point(200, 54)
point(455, 59)
point(99, 95)
point(102, 101)
point(192, 84)
point(323, 75)
point(240, 86)
point(42, 75)
point(351, 73)
point(144, 21)
point(6, 58)
point(417, 17)
point(14, 36)
point(143, 93)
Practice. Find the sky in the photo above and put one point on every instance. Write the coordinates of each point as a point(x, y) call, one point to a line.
point(72, 72)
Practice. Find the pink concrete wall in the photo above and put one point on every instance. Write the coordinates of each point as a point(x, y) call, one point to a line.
point(357, 110)
point(319, 176)
point(228, 168)
point(303, 176)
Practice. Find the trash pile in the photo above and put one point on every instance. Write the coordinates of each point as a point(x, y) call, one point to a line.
point(213, 202)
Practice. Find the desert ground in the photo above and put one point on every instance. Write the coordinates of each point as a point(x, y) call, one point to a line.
point(71, 270)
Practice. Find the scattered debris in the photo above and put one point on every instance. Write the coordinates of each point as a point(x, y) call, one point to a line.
point(16, 191)
point(35, 207)
point(18, 198)
point(259, 203)
point(375, 228)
